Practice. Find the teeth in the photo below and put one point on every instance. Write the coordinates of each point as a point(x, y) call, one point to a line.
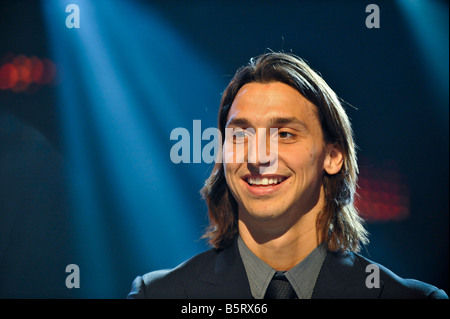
point(264, 180)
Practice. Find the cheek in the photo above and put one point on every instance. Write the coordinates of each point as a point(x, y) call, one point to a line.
point(305, 163)
point(230, 170)
point(314, 166)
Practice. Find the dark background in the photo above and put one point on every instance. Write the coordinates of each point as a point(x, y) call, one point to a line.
point(59, 146)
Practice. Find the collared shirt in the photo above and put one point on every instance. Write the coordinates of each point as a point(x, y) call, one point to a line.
point(302, 276)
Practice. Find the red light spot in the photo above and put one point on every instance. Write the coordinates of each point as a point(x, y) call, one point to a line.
point(20, 73)
point(8, 76)
point(37, 69)
point(382, 196)
point(23, 67)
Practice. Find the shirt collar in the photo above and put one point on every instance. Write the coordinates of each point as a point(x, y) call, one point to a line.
point(302, 276)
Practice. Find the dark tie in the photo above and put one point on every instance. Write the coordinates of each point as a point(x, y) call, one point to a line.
point(280, 288)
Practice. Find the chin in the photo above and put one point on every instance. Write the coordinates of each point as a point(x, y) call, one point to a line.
point(263, 213)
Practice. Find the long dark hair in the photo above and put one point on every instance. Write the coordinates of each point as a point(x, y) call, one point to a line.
point(339, 224)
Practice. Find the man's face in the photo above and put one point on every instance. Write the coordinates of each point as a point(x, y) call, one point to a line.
point(295, 187)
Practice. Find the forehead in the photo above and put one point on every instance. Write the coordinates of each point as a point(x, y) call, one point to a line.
point(260, 102)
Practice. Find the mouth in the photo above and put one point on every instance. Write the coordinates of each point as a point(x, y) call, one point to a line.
point(264, 181)
point(263, 186)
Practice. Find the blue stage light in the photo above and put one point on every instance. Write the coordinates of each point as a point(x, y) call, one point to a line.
point(127, 80)
point(428, 22)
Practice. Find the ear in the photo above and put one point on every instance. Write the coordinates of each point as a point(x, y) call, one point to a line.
point(334, 159)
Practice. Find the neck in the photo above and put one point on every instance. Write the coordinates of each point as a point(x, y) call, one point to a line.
point(281, 248)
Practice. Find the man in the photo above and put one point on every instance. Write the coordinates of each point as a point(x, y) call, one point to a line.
point(285, 228)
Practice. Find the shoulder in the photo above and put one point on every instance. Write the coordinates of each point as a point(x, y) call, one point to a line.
point(170, 283)
point(397, 287)
point(377, 280)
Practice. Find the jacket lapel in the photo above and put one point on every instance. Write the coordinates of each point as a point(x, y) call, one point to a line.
point(223, 277)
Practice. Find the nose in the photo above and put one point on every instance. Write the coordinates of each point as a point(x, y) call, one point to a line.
point(257, 156)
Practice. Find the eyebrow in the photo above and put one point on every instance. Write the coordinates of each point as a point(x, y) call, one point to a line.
point(286, 120)
point(237, 121)
point(274, 121)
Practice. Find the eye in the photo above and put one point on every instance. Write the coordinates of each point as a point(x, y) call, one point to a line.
point(239, 135)
point(285, 135)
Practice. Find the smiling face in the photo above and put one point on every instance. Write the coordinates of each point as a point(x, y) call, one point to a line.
point(294, 188)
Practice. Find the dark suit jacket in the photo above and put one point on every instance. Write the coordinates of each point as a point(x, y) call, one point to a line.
point(221, 274)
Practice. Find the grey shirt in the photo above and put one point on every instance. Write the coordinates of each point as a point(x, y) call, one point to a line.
point(302, 276)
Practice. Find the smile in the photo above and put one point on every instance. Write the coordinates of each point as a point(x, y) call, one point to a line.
point(264, 181)
point(264, 185)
